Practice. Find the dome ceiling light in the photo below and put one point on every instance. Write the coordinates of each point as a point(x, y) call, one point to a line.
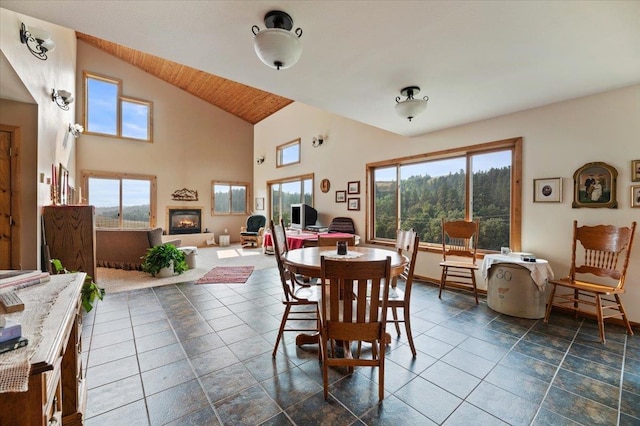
point(410, 107)
point(277, 46)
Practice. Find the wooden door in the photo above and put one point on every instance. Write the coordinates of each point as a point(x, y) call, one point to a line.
point(5, 200)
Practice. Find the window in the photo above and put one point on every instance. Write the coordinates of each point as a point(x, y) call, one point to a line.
point(122, 201)
point(229, 198)
point(479, 182)
point(107, 112)
point(284, 192)
point(288, 153)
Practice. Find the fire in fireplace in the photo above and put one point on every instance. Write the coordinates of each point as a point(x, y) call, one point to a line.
point(184, 221)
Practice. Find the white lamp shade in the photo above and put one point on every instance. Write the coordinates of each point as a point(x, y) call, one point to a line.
point(277, 46)
point(48, 45)
point(410, 108)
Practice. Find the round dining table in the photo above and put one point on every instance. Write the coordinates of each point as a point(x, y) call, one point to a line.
point(306, 261)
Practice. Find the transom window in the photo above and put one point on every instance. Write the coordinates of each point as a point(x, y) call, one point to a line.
point(122, 201)
point(288, 153)
point(228, 198)
point(287, 191)
point(479, 182)
point(108, 112)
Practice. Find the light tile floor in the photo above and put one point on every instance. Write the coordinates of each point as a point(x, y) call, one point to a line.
point(189, 354)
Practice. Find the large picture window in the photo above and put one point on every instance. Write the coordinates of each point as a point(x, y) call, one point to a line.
point(284, 192)
point(479, 182)
point(109, 113)
point(122, 201)
point(229, 198)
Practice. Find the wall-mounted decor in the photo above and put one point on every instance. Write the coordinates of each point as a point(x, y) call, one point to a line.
point(353, 204)
point(185, 194)
point(635, 195)
point(594, 185)
point(635, 171)
point(547, 190)
point(260, 203)
point(353, 187)
point(325, 185)
point(341, 196)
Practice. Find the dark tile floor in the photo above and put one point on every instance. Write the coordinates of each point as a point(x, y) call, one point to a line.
point(190, 354)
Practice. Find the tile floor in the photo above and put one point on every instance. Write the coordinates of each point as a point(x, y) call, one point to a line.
point(190, 354)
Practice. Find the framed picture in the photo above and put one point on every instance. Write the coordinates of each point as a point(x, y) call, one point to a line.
point(353, 204)
point(63, 184)
point(594, 185)
point(635, 195)
point(341, 196)
point(547, 190)
point(635, 171)
point(325, 185)
point(259, 203)
point(353, 187)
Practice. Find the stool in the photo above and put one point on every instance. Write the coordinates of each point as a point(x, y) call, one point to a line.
point(189, 255)
point(224, 240)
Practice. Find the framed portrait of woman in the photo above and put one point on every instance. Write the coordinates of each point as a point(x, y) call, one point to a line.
point(594, 185)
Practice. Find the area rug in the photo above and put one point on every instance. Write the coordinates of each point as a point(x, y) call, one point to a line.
point(227, 275)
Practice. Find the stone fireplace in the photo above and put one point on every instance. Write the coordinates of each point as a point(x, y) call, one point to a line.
point(184, 220)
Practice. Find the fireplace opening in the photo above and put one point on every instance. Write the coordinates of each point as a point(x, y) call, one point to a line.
point(184, 221)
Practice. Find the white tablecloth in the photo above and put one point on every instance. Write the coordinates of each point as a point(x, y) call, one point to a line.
point(541, 272)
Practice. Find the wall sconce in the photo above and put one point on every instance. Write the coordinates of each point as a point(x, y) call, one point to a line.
point(62, 98)
point(410, 107)
point(260, 159)
point(277, 46)
point(75, 130)
point(318, 141)
point(38, 41)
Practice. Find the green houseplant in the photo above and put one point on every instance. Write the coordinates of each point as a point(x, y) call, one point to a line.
point(90, 290)
point(164, 256)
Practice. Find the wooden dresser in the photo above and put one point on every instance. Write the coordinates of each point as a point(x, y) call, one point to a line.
point(57, 391)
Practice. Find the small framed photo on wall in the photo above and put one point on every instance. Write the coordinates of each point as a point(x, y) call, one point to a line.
point(635, 171)
point(547, 190)
point(635, 196)
point(260, 203)
point(353, 187)
point(341, 196)
point(353, 204)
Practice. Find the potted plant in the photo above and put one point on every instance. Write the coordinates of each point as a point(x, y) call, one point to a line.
point(164, 256)
point(90, 290)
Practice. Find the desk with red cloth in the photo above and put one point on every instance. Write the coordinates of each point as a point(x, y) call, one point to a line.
point(304, 239)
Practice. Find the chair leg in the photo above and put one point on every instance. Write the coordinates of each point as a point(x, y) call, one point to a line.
point(624, 315)
point(576, 303)
point(600, 319)
point(381, 375)
point(549, 304)
point(394, 311)
point(407, 326)
point(285, 316)
point(443, 280)
point(325, 366)
point(475, 288)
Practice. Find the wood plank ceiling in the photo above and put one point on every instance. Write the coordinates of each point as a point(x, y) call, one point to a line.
point(245, 102)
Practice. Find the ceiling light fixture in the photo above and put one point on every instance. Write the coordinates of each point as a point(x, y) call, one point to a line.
point(410, 107)
point(62, 98)
point(75, 129)
point(317, 141)
point(38, 41)
point(277, 46)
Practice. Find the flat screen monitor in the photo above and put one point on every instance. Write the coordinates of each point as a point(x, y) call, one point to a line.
point(303, 215)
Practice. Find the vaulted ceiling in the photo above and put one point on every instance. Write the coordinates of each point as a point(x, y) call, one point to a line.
point(474, 59)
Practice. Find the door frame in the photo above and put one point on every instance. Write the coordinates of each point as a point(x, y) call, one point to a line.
point(16, 227)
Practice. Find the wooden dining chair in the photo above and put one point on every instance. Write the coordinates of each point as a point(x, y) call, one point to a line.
point(407, 245)
point(601, 248)
point(459, 246)
point(348, 316)
point(328, 240)
point(300, 301)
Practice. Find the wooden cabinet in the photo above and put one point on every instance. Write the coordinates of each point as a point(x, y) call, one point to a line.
point(56, 384)
point(70, 235)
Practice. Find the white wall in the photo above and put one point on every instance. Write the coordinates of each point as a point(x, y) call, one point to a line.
point(194, 142)
point(557, 140)
point(51, 145)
